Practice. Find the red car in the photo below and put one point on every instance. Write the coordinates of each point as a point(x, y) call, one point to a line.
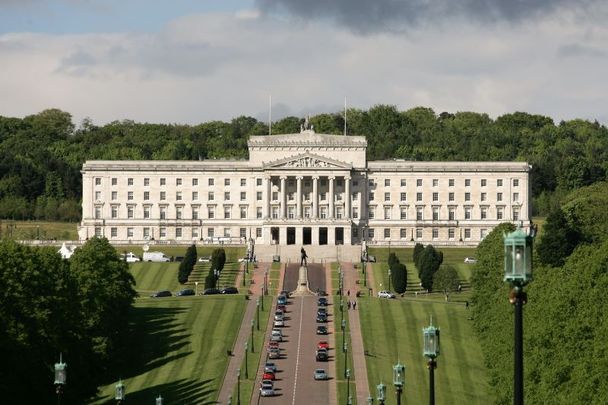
point(323, 345)
point(272, 344)
point(268, 376)
point(281, 307)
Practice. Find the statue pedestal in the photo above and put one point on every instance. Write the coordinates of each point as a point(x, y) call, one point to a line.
point(302, 288)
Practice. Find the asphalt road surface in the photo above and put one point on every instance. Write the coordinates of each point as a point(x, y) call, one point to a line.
point(295, 383)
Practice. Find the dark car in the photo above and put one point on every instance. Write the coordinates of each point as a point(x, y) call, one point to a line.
point(322, 293)
point(282, 300)
point(321, 318)
point(322, 355)
point(160, 294)
point(185, 292)
point(211, 291)
point(322, 311)
point(230, 290)
point(321, 330)
point(322, 302)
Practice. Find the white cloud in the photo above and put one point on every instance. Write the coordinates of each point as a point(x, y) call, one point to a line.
point(218, 66)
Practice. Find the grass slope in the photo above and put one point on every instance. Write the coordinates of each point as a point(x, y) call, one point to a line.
point(392, 331)
point(150, 277)
point(178, 349)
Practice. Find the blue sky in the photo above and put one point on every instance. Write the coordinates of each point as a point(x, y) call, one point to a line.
point(191, 61)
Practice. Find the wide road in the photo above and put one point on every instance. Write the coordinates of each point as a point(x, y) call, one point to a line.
point(295, 383)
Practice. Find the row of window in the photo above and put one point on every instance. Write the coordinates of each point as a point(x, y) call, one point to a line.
point(435, 213)
point(403, 233)
point(483, 196)
point(451, 182)
point(178, 181)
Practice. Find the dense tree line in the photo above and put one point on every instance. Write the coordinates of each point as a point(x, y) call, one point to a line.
point(565, 327)
point(48, 306)
point(218, 259)
point(41, 155)
point(427, 260)
point(398, 273)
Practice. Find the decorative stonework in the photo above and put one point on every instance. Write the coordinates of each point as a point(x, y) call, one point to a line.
point(307, 160)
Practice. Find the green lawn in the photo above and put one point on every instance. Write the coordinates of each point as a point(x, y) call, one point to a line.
point(233, 253)
point(392, 331)
point(42, 230)
point(150, 277)
point(178, 349)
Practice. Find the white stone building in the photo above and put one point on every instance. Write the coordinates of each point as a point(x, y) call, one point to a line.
point(302, 189)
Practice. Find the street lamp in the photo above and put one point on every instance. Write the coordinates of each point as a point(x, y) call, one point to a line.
point(119, 392)
point(348, 385)
point(246, 368)
point(61, 376)
point(238, 386)
point(257, 306)
point(252, 327)
point(431, 351)
point(159, 400)
point(343, 326)
point(345, 357)
point(370, 400)
point(196, 288)
point(389, 278)
point(230, 400)
point(518, 273)
point(265, 286)
point(380, 393)
point(398, 380)
point(216, 273)
point(245, 270)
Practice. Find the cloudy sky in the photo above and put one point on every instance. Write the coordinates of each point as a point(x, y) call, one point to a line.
point(190, 61)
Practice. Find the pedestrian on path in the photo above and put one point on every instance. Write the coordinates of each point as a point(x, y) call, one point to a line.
point(348, 293)
point(354, 304)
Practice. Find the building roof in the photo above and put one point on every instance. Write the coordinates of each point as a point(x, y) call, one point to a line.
point(416, 166)
point(307, 138)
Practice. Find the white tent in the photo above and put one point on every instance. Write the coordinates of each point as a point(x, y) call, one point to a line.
point(65, 251)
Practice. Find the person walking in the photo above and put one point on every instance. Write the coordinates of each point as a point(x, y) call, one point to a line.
point(303, 257)
point(354, 304)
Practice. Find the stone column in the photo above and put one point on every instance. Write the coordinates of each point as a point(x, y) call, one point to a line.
point(268, 199)
point(331, 198)
point(347, 197)
point(299, 197)
point(315, 196)
point(283, 198)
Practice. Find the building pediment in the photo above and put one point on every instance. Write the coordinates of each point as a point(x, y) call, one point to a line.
point(307, 161)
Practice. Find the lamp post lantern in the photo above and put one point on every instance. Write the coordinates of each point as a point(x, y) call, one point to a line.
point(252, 327)
point(348, 385)
point(380, 393)
point(61, 376)
point(196, 288)
point(389, 278)
point(159, 400)
point(230, 400)
point(238, 386)
point(257, 306)
point(518, 273)
point(370, 400)
point(343, 326)
point(398, 380)
point(265, 286)
point(345, 357)
point(431, 351)
point(245, 270)
point(119, 392)
point(246, 368)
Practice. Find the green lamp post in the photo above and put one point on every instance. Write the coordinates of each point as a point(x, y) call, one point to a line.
point(252, 328)
point(381, 393)
point(518, 273)
point(246, 368)
point(61, 376)
point(345, 357)
point(159, 400)
point(389, 278)
point(430, 336)
point(238, 386)
point(398, 380)
point(343, 326)
point(257, 306)
point(348, 386)
point(119, 392)
point(370, 400)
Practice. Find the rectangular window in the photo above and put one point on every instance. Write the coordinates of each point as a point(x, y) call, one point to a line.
point(258, 196)
point(483, 182)
point(355, 183)
point(451, 182)
point(195, 182)
point(146, 212)
point(226, 182)
point(371, 213)
point(387, 182)
point(275, 212)
point(114, 195)
point(226, 195)
point(130, 195)
point(114, 181)
point(515, 197)
point(323, 196)
point(178, 232)
point(178, 212)
point(113, 232)
point(227, 212)
point(146, 181)
point(194, 195)
point(114, 212)
point(194, 212)
point(484, 196)
point(163, 195)
point(419, 214)
point(258, 182)
point(210, 232)
point(243, 195)
point(98, 195)
point(515, 182)
point(467, 182)
point(258, 213)
point(371, 197)
point(499, 213)
point(452, 214)
point(387, 196)
point(403, 183)
point(451, 233)
point(403, 196)
point(210, 182)
point(130, 181)
point(163, 181)
point(418, 233)
point(353, 197)
point(243, 212)
point(211, 212)
point(178, 196)
point(306, 212)
point(418, 182)
point(98, 232)
point(435, 182)
point(355, 212)
point(498, 182)
point(243, 232)
point(484, 213)
point(482, 233)
point(515, 214)
point(226, 232)
point(243, 182)
point(451, 196)
point(418, 196)
point(387, 233)
point(403, 233)
point(258, 232)
point(194, 233)
point(498, 196)
point(467, 212)
point(370, 233)
point(467, 233)
point(275, 195)
point(467, 196)
point(403, 213)
point(146, 195)
point(339, 213)
point(291, 196)
point(129, 232)
point(435, 213)
point(163, 232)
point(163, 212)
point(387, 213)
point(98, 181)
point(97, 212)
point(210, 196)
point(435, 196)
point(435, 233)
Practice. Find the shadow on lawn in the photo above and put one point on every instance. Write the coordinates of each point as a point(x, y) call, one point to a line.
point(178, 392)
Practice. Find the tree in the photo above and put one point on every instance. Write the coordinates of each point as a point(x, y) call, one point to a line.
point(399, 276)
point(446, 279)
point(558, 241)
point(430, 260)
point(418, 249)
point(186, 266)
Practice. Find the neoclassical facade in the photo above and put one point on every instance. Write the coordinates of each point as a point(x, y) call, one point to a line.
point(302, 189)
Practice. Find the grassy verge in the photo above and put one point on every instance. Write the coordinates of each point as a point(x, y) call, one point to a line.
point(233, 253)
point(42, 230)
point(392, 332)
point(151, 277)
point(178, 349)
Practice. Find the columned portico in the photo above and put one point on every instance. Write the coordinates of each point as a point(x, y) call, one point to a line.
point(315, 196)
point(299, 197)
point(331, 198)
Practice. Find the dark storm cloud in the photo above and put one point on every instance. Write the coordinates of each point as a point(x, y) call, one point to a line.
point(398, 15)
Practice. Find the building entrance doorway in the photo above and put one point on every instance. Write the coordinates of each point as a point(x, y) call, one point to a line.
point(274, 235)
point(307, 236)
point(291, 236)
point(322, 236)
point(339, 236)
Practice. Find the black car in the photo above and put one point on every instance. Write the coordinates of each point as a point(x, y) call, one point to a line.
point(185, 292)
point(322, 355)
point(322, 302)
point(230, 290)
point(160, 294)
point(321, 318)
point(211, 291)
point(322, 311)
point(321, 330)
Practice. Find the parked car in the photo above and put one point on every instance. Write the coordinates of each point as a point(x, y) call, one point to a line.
point(274, 353)
point(273, 345)
point(279, 315)
point(230, 290)
point(178, 259)
point(322, 302)
point(268, 375)
point(322, 355)
point(322, 311)
point(204, 259)
point(211, 291)
point(185, 292)
point(322, 293)
point(156, 257)
point(320, 374)
point(385, 294)
point(282, 300)
point(470, 260)
point(285, 293)
point(322, 318)
point(267, 390)
point(130, 257)
point(281, 307)
point(323, 344)
point(159, 294)
point(321, 330)
point(270, 366)
point(276, 335)
point(279, 324)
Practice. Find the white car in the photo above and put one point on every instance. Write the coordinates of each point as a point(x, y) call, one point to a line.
point(130, 257)
point(204, 259)
point(470, 260)
point(385, 294)
point(279, 323)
